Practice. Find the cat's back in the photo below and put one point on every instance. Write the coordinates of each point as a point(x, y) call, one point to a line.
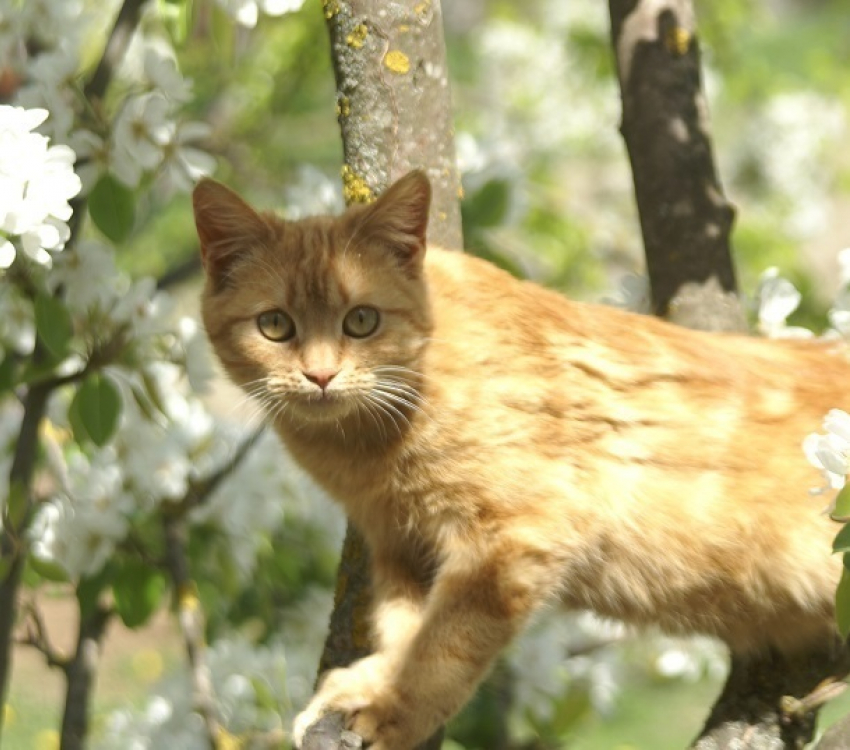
point(616, 393)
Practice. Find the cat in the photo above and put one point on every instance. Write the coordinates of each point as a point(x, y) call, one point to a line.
point(502, 449)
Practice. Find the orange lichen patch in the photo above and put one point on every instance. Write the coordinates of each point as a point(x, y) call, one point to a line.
point(354, 187)
point(330, 8)
point(678, 40)
point(343, 106)
point(357, 36)
point(397, 61)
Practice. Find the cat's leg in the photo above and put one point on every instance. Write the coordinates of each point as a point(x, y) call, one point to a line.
point(398, 593)
point(398, 590)
point(477, 604)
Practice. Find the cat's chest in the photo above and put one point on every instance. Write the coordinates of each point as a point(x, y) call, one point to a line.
point(391, 489)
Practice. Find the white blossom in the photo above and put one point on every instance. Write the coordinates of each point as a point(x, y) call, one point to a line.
point(80, 526)
point(162, 71)
point(50, 85)
point(136, 136)
point(183, 163)
point(830, 452)
point(247, 12)
point(37, 181)
point(634, 294)
point(89, 278)
point(777, 298)
point(17, 324)
point(169, 720)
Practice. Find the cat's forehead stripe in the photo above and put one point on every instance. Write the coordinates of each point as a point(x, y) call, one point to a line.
point(314, 267)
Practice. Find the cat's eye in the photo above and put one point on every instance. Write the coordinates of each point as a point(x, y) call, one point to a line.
point(361, 322)
point(276, 325)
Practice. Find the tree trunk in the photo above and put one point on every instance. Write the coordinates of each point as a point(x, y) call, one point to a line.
point(686, 223)
point(394, 111)
point(685, 218)
point(393, 103)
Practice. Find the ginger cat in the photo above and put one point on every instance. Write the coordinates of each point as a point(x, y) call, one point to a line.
point(503, 449)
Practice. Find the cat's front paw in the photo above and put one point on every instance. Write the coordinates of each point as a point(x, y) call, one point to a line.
point(385, 724)
point(348, 691)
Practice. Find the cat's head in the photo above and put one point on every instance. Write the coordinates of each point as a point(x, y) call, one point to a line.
point(323, 318)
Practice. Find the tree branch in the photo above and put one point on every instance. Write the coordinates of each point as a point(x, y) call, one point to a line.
point(685, 219)
point(16, 516)
point(394, 104)
point(116, 47)
point(80, 674)
point(191, 619)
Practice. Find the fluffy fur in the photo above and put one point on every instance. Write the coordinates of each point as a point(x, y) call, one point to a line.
point(502, 448)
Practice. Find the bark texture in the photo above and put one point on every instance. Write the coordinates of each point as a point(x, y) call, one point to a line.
point(80, 674)
point(394, 104)
point(686, 223)
point(685, 219)
point(394, 110)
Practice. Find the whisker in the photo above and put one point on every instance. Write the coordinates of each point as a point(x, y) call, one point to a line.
point(383, 409)
point(377, 398)
point(368, 406)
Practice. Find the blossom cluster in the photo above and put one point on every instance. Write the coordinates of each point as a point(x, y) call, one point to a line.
point(37, 181)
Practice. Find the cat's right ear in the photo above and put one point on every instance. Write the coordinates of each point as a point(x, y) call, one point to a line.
point(227, 227)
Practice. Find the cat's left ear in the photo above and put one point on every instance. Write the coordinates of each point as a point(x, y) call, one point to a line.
point(399, 219)
point(227, 226)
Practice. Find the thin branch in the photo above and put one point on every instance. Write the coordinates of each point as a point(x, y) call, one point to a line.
point(179, 273)
point(36, 637)
point(200, 490)
point(13, 546)
point(116, 48)
point(191, 619)
point(189, 613)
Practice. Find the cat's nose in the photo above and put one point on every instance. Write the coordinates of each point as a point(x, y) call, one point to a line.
point(320, 377)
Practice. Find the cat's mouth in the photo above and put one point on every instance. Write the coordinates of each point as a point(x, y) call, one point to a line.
point(326, 405)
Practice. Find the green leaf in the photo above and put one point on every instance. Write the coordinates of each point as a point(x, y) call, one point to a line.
point(841, 543)
point(112, 207)
point(94, 410)
point(138, 591)
point(48, 569)
point(842, 505)
point(487, 207)
point(53, 323)
point(17, 506)
point(842, 604)
point(78, 427)
point(8, 373)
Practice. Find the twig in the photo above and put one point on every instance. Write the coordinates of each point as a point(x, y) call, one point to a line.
point(200, 490)
point(189, 613)
point(36, 637)
point(116, 48)
point(191, 619)
point(179, 273)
